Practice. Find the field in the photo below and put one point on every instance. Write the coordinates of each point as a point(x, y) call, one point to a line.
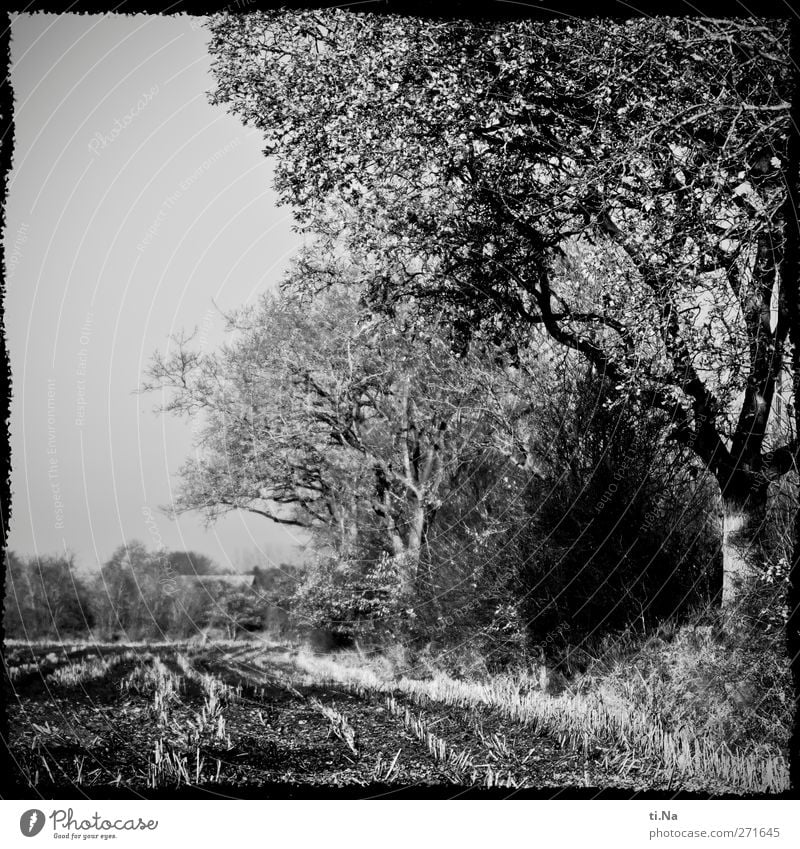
point(238, 715)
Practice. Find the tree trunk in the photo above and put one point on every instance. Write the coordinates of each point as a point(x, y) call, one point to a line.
point(743, 520)
point(737, 552)
point(416, 530)
point(348, 533)
point(398, 549)
point(413, 548)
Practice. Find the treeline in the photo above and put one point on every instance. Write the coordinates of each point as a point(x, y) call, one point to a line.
point(519, 385)
point(454, 497)
point(527, 380)
point(139, 594)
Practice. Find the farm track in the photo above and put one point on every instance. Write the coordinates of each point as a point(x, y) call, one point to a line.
point(486, 747)
point(384, 751)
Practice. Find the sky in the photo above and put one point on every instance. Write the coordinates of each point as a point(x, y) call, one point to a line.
point(135, 210)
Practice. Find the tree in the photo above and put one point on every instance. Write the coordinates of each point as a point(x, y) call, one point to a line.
point(319, 416)
point(259, 447)
point(574, 516)
point(277, 584)
point(130, 592)
point(45, 597)
point(619, 184)
point(191, 563)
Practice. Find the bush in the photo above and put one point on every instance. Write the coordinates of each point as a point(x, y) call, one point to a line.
point(361, 600)
point(723, 679)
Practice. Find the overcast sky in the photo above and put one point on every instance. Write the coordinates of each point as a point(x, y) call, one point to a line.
point(133, 208)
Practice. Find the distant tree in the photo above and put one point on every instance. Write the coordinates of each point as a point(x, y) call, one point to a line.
point(236, 610)
point(619, 184)
point(130, 592)
point(192, 563)
point(277, 584)
point(188, 602)
point(45, 597)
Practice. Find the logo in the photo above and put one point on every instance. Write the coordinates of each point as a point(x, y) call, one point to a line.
point(31, 822)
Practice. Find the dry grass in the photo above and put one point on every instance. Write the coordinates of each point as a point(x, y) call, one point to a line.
point(15, 672)
point(339, 724)
point(691, 707)
point(627, 734)
point(168, 767)
point(458, 762)
point(383, 774)
point(86, 669)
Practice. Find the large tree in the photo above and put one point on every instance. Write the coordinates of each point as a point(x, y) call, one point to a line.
point(619, 184)
point(318, 416)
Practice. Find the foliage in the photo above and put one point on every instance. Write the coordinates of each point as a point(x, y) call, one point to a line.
point(732, 686)
point(562, 173)
point(235, 610)
point(133, 592)
point(596, 525)
point(393, 425)
point(137, 594)
point(545, 502)
point(277, 584)
point(623, 527)
point(45, 597)
point(619, 184)
point(319, 415)
point(191, 563)
point(534, 347)
point(369, 600)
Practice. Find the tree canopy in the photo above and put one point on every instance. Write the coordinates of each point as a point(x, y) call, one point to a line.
point(318, 415)
point(621, 185)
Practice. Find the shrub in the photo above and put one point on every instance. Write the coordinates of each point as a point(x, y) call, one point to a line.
point(366, 600)
point(726, 680)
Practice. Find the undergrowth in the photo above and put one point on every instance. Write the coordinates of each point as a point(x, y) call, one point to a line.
point(707, 701)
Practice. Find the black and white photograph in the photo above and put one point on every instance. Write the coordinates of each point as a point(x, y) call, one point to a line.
point(401, 405)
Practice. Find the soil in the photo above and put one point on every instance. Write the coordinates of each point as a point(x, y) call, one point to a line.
point(108, 733)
